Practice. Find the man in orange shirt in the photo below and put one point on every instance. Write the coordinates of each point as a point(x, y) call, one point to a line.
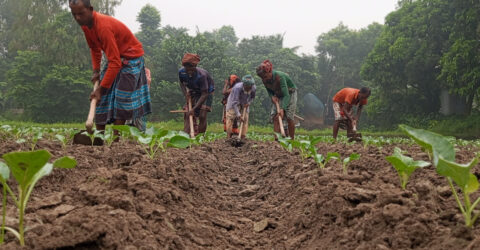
point(123, 93)
point(343, 102)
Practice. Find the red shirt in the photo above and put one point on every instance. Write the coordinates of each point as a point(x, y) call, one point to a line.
point(348, 95)
point(116, 40)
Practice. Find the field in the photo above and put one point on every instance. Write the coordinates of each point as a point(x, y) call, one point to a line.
point(258, 196)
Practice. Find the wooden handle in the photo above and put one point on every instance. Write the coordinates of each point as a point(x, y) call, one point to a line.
point(280, 121)
point(178, 111)
point(192, 131)
point(241, 123)
point(91, 112)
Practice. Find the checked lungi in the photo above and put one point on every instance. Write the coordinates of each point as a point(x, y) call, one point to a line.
point(128, 98)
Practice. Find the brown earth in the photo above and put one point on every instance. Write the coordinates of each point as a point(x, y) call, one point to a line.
point(257, 196)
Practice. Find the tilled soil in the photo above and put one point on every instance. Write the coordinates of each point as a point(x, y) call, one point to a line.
point(257, 196)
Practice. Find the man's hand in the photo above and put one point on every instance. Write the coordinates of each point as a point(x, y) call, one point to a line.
point(281, 113)
point(191, 112)
point(246, 106)
point(239, 118)
point(96, 94)
point(274, 99)
point(95, 76)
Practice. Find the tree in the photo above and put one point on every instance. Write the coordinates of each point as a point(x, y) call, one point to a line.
point(404, 64)
point(460, 65)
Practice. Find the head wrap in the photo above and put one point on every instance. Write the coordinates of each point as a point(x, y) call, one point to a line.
point(265, 67)
point(233, 79)
point(248, 80)
point(190, 58)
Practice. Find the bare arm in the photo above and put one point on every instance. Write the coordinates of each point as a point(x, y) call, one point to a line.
point(201, 100)
point(225, 88)
point(359, 112)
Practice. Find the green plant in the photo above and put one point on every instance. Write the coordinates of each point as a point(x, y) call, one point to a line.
point(444, 161)
point(96, 134)
point(404, 165)
point(346, 161)
point(28, 168)
point(108, 136)
point(330, 156)
point(4, 176)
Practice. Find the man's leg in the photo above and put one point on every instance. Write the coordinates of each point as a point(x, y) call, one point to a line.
point(202, 124)
point(186, 123)
point(245, 126)
point(335, 129)
point(291, 128)
point(229, 117)
point(100, 127)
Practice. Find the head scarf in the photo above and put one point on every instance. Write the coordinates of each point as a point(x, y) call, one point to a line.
point(248, 80)
point(233, 79)
point(190, 58)
point(265, 67)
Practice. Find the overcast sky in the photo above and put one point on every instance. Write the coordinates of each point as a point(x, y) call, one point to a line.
point(302, 21)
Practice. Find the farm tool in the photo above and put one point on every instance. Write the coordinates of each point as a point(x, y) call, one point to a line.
point(82, 137)
point(280, 121)
point(190, 118)
point(237, 142)
point(353, 135)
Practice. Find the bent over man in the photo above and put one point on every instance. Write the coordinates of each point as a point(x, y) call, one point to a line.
point(197, 85)
point(343, 102)
point(240, 97)
point(123, 93)
point(282, 90)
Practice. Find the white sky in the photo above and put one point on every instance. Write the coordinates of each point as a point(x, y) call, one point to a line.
point(302, 21)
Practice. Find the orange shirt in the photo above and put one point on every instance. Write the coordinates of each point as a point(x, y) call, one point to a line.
point(348, 95)
point(116, 40)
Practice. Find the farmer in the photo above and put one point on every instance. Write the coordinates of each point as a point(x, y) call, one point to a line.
point(282, 90)
point(197, 84)
point(240, 97)
point(227, 88)
point(343, 102)
point(123, 93)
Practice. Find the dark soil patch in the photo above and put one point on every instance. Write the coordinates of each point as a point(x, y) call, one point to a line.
point(257, 196)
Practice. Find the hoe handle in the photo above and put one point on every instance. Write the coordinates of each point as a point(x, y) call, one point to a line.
point(91, 112)
point(192, 131)
point(241, 123)
point(280, 121)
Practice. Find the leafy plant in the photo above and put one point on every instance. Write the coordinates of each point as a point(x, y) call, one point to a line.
point(323, 161)
point(4, 175)
point(444, 161)
point(36, 136)
point(404, 165)
point(346, 161)
point(108, 136)
point(28, 168)
point(96, 134)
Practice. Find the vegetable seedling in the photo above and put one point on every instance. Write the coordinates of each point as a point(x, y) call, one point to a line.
point(92, 136)
point(346, 161)
point(404, 165)
point(444, 161)
point(28, 168)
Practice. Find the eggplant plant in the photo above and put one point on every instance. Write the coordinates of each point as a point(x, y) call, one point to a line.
point(346, 161)
point(404, 165)
point(444, 161)
point(27, 168)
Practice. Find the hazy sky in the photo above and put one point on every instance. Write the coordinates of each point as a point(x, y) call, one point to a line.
point(302, 21)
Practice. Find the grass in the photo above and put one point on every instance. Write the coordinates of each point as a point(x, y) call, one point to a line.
point(218, 128)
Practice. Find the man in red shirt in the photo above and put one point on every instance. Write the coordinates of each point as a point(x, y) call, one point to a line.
point(123, 93)
point(343, 102)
